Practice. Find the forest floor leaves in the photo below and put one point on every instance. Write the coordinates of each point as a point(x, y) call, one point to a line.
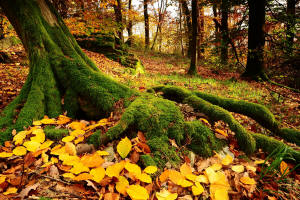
point(30, 170)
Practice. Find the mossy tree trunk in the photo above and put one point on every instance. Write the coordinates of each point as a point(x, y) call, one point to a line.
point(59, 70)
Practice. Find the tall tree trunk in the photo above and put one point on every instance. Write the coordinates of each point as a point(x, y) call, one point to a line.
point(200, 46)
point(161, 13)
point(193, 65)
point(217, 31)
point(180, 29)
point(256, 40)
point(290, 25)
point(1, 26)
point(224, 31)
point(129, 26)
point(146, 18)
point(119, 19)
point(188, 20)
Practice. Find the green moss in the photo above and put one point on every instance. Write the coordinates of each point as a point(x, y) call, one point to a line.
point(203, 140)
point(268, 144)
point(290, 135)
point(147, 160)
point(95, 139)
point(55, 134)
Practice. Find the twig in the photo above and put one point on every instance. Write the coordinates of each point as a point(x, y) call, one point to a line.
point(54, 179)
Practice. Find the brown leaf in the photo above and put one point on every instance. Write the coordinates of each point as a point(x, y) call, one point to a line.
point(141, 137)
point(54, 172)
point(29, 160)
point(145, 148)
point(24, 193)
point(134, 157)
point(111, 196)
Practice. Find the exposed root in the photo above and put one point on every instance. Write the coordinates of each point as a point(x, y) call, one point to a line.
point(257, 112)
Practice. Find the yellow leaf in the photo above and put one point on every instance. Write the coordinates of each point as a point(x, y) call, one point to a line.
point(185, 169)
point(46, 144)
point(37, 123)
point(98, 174)
point(78, 168)
point(19, 151)
point(48, 121)
point(102, 153)
point(221, 194)
point(164, 176)
point(32, 146)
point(166, 195)
point(10, 190)
point(39, 136)
point(83, 177)
point(63, 119)
point(216, 166)
point(258, 162)
point(137, 192)
point(92, 160)
point(70, 148)
point(221, 132)
point(45, 157)
point(284, 169)
point(122, 185)
point(227, 160)
point(19, 137)
point(204, 120)
point(77, 132)
point(184, 183)
point(133, 168)
point(124, 147)
point(68, 138)
point(247, 180)
point(251, 168)
point(79, 139)
point(197, 189)
point(58, 150)
point(2, 179)
point(77, 125)
point(144, 178)
point(175, 176)
point(202, 179)
point(54, 160)
point(69, 160)
point(238, 168)
point(115, 169)
point(69, 175)
point(5, 154)
point(191, 177)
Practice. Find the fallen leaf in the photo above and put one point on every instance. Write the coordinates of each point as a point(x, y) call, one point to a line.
point(122, 185)
point(197, 189)
point(247, 180)
point(227, 160)
point(238, 168)
point(284, 169)
point(10, 190)
point(124, 147)
point(137, 192)
point(24, 192)
point(165, 195)
point(98, 174)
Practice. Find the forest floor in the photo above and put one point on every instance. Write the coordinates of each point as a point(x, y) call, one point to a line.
point(52, 179)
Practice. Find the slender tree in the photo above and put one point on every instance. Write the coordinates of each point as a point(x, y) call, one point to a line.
point(193, 65)
point(147, 29)
point(290, 24)
point(256, 40)
point(224, 31)
point(129, 26)
point(119, 19)
point(200, 40)
point(188, 22)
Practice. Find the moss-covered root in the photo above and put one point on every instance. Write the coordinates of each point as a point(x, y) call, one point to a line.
point(215, 113)
point(256, 111)
point(268, 144)
point(202, 140)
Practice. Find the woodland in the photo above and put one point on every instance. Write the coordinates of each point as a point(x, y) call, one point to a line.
point(149, 99)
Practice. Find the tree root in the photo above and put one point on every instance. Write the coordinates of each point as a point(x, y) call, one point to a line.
point(246, 140)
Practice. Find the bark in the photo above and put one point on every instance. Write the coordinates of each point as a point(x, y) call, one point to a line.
point(224, 31)
point(146, 19)
point(119, 19)
point(256, 40)
point(129, 26)
point(161, 13)
point(180, 30)
point(215, 12)
point(290, 25)
point(193, 65)
point(200, 45)
point(2, 34)
point(188, 22)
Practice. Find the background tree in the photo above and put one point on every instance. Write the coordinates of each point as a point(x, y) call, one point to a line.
point(129, 26)
point(189, 27)
point(256, 40)
point(193, 65)
point(119, 19)
point(147, 29)
point(290, 24)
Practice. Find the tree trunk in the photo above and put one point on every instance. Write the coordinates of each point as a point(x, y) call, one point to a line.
point(193, 65)
point(256, 40)
point(180, 29)
point(1, 26)
point(216, 33)
point(129, 26)
point(146, 18)
point(290, 25)
point(224, 31)
point(119, 20)
point(188, 20)
point(63, 78)
point(200, 46)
